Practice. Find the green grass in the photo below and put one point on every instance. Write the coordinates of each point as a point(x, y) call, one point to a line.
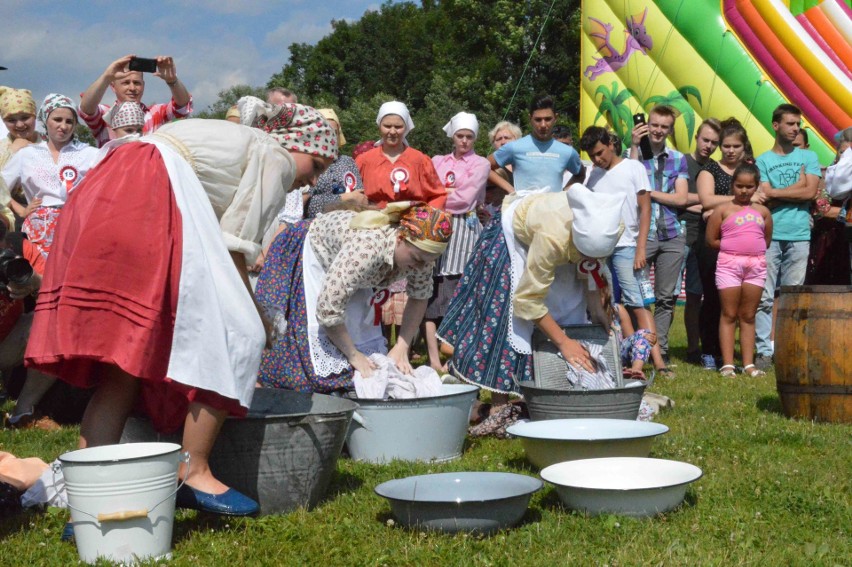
point(775, 491)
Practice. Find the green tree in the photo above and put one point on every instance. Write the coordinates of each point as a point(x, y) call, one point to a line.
point(469, 52)
point(228, 98)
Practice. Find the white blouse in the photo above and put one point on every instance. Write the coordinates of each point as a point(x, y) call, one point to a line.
point(33, 168)
point(245, 173)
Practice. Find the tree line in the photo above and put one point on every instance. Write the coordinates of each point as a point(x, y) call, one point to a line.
point(439, 57)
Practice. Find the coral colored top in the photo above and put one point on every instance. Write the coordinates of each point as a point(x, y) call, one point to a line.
point(743, 233)
point(414, 178)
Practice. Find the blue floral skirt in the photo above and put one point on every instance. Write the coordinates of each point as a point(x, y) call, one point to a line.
point(281, 290)
point(477, 320)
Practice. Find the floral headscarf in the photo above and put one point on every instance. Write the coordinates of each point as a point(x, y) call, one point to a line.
point(51, 103)
point(296, 127)
point(13, 101)
point(423, 226)
point(127, 113)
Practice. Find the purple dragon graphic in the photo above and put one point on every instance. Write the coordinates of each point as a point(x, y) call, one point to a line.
point(611, 60)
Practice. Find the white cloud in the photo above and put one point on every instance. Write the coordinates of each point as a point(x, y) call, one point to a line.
point(297, 30)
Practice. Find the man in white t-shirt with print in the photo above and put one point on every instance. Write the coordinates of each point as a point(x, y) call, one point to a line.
point(616, 175)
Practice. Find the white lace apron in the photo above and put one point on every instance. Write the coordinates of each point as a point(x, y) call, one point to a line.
point(365, 330)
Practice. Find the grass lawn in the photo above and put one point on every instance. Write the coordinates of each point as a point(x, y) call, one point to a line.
point(774, 492)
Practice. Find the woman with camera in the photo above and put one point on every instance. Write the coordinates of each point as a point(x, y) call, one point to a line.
point(147, 297)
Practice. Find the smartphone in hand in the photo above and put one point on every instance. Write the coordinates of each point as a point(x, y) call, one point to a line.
point(645, 142)
point(143, 65)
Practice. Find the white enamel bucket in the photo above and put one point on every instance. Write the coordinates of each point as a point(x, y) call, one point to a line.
point(122, 499)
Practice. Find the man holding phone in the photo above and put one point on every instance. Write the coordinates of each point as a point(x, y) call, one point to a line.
point(668, 176)
point(128, 84)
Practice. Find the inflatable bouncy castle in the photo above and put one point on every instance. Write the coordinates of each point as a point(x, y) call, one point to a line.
point(721, 58)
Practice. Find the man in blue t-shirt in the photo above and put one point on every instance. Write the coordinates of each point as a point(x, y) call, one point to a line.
point(789, 178)
point(538, 161)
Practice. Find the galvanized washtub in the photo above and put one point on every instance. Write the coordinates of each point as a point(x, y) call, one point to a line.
point(283, 454)
point(422, 429)
point(616, 403)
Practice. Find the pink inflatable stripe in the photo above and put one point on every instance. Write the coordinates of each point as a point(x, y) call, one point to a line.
point(845, 8)
point(815, 35)
point(786, 84)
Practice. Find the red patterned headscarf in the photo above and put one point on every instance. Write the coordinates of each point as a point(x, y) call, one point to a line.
point(423, 226)
point(296, 127)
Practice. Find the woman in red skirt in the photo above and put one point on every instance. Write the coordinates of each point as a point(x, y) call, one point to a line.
point(146, 298)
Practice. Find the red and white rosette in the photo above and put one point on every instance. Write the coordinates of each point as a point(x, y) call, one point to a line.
point(450, 179)
point(379, 298)
point(68, 175)
point(399, 176)
point(592, 267)
point(349, 181)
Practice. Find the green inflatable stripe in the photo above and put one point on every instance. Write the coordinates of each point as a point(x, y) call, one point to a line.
point(702, 25)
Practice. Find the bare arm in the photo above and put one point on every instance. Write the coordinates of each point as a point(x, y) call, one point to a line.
point(767, 223)
point(495, 178)
point(571, 350)
point(639, 131)
point(239, 260)
point(644, 201)
point(677, 199)
point(93, 95)
point(578, 177)
point(166, 70)
point(713, 236)
point(412, 316)
point(804, 189)
point(707, 192)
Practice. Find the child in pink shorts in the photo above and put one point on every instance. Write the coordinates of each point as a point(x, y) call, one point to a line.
point(741, 231)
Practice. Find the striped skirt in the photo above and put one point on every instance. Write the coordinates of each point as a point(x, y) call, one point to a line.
point(477, 320)
point(461, 245)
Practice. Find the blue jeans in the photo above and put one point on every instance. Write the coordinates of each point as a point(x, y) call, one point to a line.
point(786, 262)
point(621, 264)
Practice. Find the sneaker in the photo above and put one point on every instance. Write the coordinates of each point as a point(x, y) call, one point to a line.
point(708, 362)
point(693, 357)
point(763, 362)
point(667, 362)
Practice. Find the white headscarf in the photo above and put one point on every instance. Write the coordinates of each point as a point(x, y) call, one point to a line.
point(399, 109)
point(462, 121)
point(597, 222)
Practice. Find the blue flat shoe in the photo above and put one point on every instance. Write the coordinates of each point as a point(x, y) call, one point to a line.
point(229, 503)
point(67, 532)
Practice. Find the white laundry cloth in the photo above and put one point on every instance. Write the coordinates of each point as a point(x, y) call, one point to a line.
point(600, 379)
point(387, 382)
point(48, 490)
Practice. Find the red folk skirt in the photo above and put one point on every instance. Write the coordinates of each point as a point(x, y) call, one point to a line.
point(110, 288)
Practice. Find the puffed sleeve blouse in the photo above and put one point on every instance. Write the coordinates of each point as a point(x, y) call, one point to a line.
point(357, 259)
point(419, 180)
point(543, 224)
point(244, 171)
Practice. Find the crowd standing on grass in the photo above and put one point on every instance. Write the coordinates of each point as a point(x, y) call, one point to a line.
point(300, 259)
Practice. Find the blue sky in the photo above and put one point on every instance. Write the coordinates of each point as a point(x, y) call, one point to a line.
point(64, 45)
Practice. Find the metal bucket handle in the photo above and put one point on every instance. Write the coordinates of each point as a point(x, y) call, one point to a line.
point(128, 514)
point(360, 420)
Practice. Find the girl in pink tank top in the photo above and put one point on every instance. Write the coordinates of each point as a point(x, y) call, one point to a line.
point(741, 231)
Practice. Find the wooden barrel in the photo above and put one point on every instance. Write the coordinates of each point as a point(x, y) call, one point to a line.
point(813, 352)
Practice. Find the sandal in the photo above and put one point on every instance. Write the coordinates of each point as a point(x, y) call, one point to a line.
point(728, 371)
point(755, 372)
point(665, 372)
point(630, 374)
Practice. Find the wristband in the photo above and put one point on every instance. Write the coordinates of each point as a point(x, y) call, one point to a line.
point(172, 84)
